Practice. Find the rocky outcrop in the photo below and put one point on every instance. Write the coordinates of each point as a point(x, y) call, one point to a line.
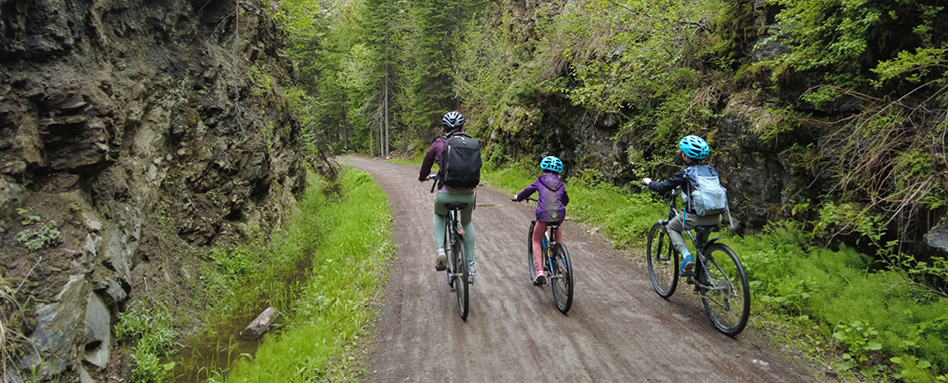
point(132, 132)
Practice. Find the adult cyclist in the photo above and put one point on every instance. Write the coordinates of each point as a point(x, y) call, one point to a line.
point(453, 123)
point(693, 151)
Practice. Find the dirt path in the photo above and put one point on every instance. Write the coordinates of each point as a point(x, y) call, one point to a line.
point(618, 329)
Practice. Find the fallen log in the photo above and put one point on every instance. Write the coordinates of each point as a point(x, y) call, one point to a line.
point(259, 325)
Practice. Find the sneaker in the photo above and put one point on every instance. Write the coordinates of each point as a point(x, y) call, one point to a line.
point(539, 279)
point(471, 273)
point(687, 265)
point(439, 264)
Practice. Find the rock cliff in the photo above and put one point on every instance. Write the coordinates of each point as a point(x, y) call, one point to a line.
point(132, 134)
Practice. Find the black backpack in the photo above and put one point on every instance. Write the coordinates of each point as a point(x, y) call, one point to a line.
point(460, 165)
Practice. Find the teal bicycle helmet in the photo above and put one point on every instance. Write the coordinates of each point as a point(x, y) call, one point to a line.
point(694, 147)
point(552, 164)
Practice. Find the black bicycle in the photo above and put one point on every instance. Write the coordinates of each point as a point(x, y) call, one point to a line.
point(457, 267)
point(718, 276)
point(556, 265)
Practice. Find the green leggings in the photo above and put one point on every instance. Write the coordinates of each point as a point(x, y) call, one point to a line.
point(440, 217)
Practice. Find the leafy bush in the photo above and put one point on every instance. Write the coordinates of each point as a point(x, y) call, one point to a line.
point(869, 314)
point(37, 239)
point(149, 333)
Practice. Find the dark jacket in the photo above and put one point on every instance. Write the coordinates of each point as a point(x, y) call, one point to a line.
point(551, 191)
point(433, 156)
point(679, 179)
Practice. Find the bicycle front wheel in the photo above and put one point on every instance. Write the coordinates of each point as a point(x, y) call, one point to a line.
point(727, 297)
point(662, 261)
point(461, 276)
point(561, 274)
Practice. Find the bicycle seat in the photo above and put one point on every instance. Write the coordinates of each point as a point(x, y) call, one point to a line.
point(455, 205)
point(707, 229)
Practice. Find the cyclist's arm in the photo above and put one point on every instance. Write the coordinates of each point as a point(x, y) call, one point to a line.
point(429, 161)
point(675, 181)
point(526, 192)
point(565, 197)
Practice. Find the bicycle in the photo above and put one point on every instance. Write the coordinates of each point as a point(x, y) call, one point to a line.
point(719, 277)
point(556, 265)
point(456, 262)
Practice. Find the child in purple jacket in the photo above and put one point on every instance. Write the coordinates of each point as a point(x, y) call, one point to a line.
point(551, 191)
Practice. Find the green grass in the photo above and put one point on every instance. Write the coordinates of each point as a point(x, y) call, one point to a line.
point(350, 241)
point(149, 332)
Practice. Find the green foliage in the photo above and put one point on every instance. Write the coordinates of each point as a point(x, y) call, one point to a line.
point(230, 268)
point(870, 314)
point(919, 64)
point(45, 236)
point(13, 343)
point(27, 218)
point(149, 333)
point(860, 339)
point(847, 218)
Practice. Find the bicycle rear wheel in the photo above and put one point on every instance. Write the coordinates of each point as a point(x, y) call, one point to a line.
point(461, 276)
point(662, 262)
point(449, 248)
point(727, 301)
point(530, 265)
point(561, 277)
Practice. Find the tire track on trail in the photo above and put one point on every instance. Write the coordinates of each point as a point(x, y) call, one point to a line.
point(618, 329)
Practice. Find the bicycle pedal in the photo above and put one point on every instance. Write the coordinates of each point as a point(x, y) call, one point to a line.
point(690, 281)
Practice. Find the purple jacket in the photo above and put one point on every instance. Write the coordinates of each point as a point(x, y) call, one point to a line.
point(433, 156)
point(551, 192)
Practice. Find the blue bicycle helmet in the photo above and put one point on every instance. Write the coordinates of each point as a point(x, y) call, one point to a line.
point(452, 120)
point(552, 164)
point(694, 147)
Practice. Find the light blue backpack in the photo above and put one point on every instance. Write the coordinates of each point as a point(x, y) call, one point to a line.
point(706, 195)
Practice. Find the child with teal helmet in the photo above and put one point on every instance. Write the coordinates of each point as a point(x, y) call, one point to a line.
point(693, 151)
point(551, 208)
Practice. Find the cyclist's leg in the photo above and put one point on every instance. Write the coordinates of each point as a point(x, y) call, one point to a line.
point(467, 224)
point(674, 228)
point(538, 232)
point(438, 223)
point(440, 215)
